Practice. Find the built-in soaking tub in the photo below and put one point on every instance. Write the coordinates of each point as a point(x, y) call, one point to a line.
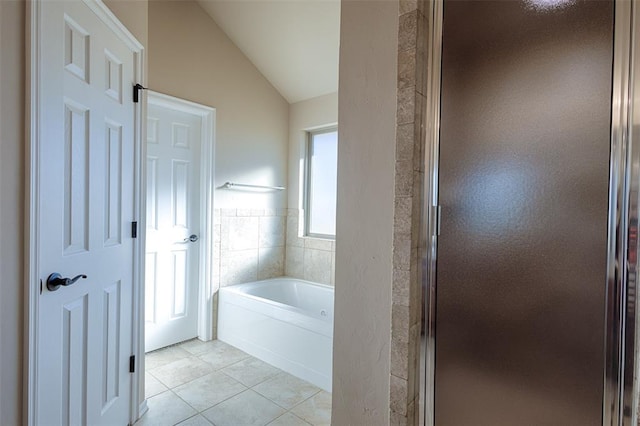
point(285, 322)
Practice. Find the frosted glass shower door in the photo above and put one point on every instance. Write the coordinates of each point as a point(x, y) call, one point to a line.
point(523, 187)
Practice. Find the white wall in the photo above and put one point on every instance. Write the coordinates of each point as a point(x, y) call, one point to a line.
point(311, 259)
point(366, 153)
point(134, 15)
point(190, 57)
point(12, 69)
point(306, 115)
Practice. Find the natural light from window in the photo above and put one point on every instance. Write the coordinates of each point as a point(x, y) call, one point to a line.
point(321, 187)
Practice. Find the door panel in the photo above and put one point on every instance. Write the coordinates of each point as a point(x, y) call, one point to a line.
point(113, 184)
point(86, 196)
point(173, 214)
point(523, 185)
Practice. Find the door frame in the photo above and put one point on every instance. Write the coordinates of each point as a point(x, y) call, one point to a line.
point(207, 187)
point(32, 208)
point(620, 402)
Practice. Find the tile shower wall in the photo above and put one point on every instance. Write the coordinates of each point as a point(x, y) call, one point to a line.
point(410, 140)
point(311, 259)
point(249, 245)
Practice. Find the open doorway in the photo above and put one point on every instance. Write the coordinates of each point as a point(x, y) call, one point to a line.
point(260, 64)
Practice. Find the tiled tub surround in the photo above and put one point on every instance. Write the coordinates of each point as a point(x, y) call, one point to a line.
point(211, 383)
point(249, 245)
point(308, 258)
point(286, 322)
point(257, 244)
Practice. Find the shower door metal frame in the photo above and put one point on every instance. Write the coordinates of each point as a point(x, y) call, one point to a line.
point(621, 393)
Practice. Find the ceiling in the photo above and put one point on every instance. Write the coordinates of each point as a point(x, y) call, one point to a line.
point(294, 43)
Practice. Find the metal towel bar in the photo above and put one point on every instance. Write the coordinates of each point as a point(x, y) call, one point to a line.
point(231, 185)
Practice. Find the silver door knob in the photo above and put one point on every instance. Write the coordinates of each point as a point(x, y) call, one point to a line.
point(191, 238)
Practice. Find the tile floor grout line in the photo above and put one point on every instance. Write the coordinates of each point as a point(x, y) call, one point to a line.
point(190, 417)
point(226, 399)
point(186, 402)
point(254, 369)
point(188, 381)
point(252, 386)
point(285, 408)
point(297, 417)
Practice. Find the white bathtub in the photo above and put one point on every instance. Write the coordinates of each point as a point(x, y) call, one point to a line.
point(285, 322)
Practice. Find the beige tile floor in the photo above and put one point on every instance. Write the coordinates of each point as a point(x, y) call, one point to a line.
point(211, 383)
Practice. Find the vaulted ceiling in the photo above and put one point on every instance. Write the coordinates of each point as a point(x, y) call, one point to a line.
point(294, 43)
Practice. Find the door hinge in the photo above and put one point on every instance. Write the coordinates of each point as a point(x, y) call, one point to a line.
point(136, 92)
point(134, 229)
point(438, 219)
point(132, 364)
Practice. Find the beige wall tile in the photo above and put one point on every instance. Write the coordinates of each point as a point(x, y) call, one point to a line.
point(333, 266)
point(399, 358)
point(238, 267)
point(406, 105)
point(282, 212)
point(228, 212)
point(407, 76)
point(318, 243)
point(418, 148)
point(407, 6)
point(270, 262)
point(294, 262)
point(402, 220)
point(308, 258)
point(405, 141)
point(401, 287)
point(398, 419)
point(402, 245)
point(404, 178)
point(317, 266)
point(243, 233)
point(408, 31)
point(293, 238)
point(400, 323)
point(272, 231)
point(412, 365)
point(398, 395)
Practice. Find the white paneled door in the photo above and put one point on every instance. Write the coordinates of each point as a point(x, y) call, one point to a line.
point(173, 224)
point(85, 197)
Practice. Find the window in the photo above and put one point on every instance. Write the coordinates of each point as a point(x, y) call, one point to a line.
point(321, 183)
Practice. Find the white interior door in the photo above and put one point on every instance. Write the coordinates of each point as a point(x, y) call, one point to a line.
point(86, 151)
point(173, 225)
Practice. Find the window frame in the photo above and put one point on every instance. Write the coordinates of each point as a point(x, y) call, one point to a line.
point(307, 181)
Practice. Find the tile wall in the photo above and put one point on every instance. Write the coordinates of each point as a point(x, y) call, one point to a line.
point(249, 245)
point(257, 244)
point(311, 259)
point(410, 146)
